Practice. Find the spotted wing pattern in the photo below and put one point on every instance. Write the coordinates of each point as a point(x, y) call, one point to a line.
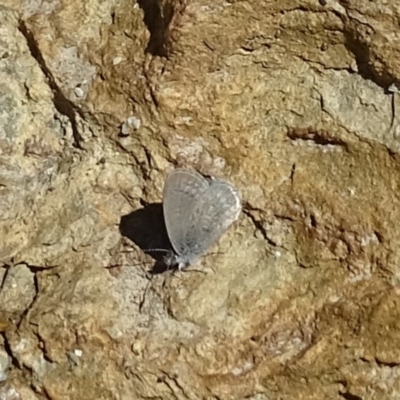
point(212, 214)
point(182, 190)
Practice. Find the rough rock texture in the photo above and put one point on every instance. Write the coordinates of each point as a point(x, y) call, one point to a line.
point(298, 105)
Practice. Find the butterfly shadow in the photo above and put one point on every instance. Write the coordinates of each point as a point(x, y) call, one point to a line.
point(146, 228)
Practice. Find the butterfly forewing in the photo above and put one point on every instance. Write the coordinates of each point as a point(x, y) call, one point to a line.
point(182, 190)
point(217, 208)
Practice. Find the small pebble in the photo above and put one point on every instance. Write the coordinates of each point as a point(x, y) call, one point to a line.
point(78, 352)
point(134, 122)
point(130, 123)
point(78, 92)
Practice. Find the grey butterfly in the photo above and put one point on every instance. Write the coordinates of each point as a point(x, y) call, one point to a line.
point(197, 211)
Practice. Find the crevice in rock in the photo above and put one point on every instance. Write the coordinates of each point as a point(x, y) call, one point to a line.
point(285, 217)
point(14, 361)
point(44, 393)
point(37, 268)
point(257, 224)
point(349, 396)
point(292, 172)
point(7, 268)
point(26, 311)
point(42, 348)
point(321, 138)
point(389, 364)
point(362, 54)
point(157, 20)
point(61, 103)
point(173, 378)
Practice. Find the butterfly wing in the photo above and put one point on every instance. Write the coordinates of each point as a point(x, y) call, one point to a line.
point(212, 214)
point(182, 189)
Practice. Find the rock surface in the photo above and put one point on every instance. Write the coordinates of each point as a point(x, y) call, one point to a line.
point(298, 105)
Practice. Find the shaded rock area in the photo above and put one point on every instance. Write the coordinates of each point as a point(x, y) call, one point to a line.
point(296, 103)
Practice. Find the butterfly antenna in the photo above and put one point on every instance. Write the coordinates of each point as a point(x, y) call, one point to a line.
point(155, 250)
point(127, 265)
